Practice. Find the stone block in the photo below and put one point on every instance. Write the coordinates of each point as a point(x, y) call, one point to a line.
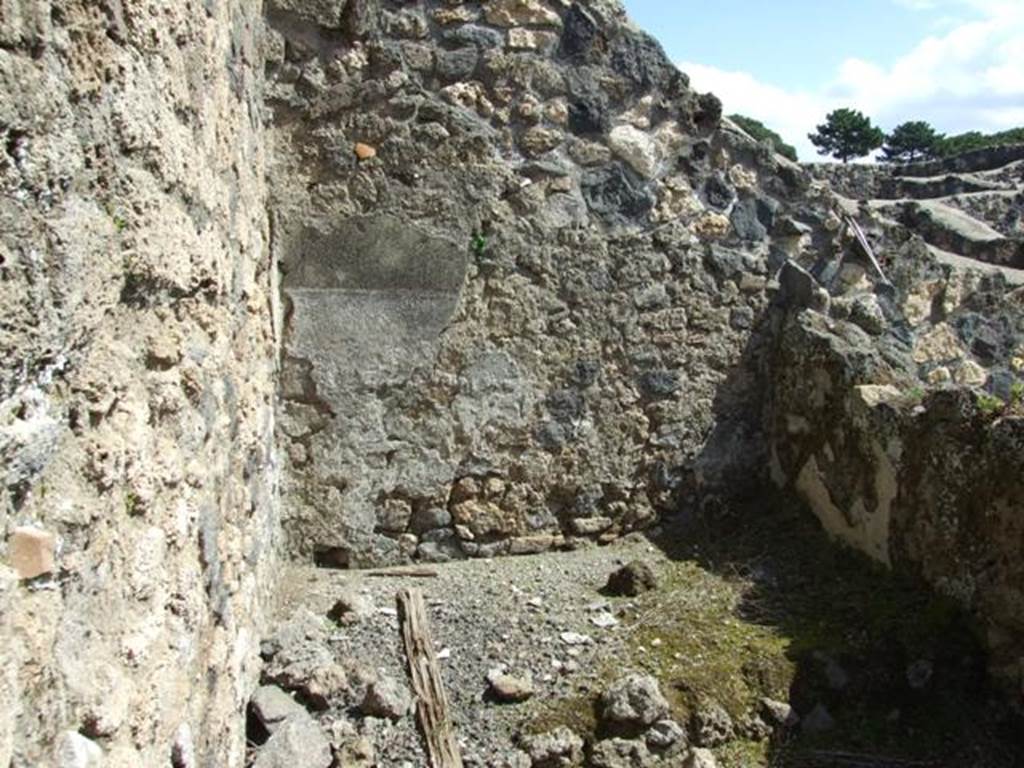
point(32, 552)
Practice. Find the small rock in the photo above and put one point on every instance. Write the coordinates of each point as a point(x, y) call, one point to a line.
point(299, 659)
point(742, 318)
point(349, 608)
point(701, 758)
point(969, 374)
point(513, 13)
point(796, 286)
point(364, 151)
point(522, 39)
point(560, 748)
point(386, 698)
point(818, 720)
point(779, 714)
point(604, 620)
point(712, 725)
point(351, 749)
point(711, 225)
point(867, 313)
point(299, 741)
point(637, 148)
point(536, 141)
point(620, 753)
point(430, 519)
point(272, 706)
point(634, 700)
point(32, 552)
point(754, 728)
point(746, 221)
point(666, 736)
point(531, 545)
point(591, 526)
point(575, 638)
point(508, 688)
point(73, 750)
point(653, 296)
point(632, 579)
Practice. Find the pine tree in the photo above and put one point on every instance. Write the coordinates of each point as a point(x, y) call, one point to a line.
point(913, 140)
point(845, 134)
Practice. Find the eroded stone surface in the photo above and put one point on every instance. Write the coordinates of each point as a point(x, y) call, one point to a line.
point(896, 469)
point(136, 394)
point(532, 293)
point(463, 336)
point(32, 552)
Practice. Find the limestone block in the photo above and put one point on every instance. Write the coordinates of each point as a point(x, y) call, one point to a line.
point(73, 750)
point(514, 13)
point(939, 345)
point(523, 39)
point(326, 13)
point(637, 149)
point(32, 552)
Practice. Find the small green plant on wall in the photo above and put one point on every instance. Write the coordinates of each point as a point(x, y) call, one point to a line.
point(478, 244)
point(120, 224)
point(132, 504)
point(990, 405)
point(915, 395)
point(1016, 397)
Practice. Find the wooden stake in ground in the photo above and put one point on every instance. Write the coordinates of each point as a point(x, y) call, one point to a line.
point(431, 701)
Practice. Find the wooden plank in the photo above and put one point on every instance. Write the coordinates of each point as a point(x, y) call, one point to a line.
point(405, 573)
point(865, 246)
point(432, 708)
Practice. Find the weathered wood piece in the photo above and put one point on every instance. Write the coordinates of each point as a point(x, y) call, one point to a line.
point(405, 573)
point(865, 246)
point(432, 708)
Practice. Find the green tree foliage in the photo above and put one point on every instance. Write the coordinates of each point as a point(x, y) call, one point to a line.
point(966, 142)
point(760, 132)
point(846, 134)
point(913, 140)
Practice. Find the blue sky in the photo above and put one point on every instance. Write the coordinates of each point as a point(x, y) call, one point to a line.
point(957, 63)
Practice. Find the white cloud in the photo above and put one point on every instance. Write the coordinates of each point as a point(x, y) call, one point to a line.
point(969, 77)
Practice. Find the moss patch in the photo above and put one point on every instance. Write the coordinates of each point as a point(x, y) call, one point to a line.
point(761, 605)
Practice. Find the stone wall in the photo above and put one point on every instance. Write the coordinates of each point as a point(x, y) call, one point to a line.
point(524, 269)
point(873, 181)
point(526, 285)
point(136, 394)
point(897, 414)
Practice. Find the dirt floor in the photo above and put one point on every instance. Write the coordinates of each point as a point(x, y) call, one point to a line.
point(754, 605)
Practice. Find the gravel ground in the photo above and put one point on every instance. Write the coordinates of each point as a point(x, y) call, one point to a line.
point(513, 613)
point(752, 608)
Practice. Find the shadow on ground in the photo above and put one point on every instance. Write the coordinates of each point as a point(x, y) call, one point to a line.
point(758, 602)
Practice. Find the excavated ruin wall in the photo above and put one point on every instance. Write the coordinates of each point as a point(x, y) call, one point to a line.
point(136, 393)
point(527, 278)
point(932, 178)
point(906, 439)
point(523, 266)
